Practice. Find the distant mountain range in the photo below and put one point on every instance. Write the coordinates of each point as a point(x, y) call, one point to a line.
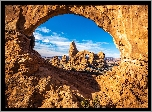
point(51, 57)
point(106, 58)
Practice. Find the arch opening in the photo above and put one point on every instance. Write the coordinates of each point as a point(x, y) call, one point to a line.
point(69, 35)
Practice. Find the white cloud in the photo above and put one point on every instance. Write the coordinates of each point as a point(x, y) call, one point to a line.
point(115, 55)
point(43, 29)
point(46, 40)
point(49, 53)
point(104, 43)
point(56, 45)
point(37, 35)
point(60, 43)
point(90, 46)
point(90, 41)
point(54, 33)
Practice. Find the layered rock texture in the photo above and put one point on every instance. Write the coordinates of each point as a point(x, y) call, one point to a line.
point(31, 83)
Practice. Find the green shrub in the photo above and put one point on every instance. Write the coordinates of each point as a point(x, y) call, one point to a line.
point(96, 102)
point(85, 103)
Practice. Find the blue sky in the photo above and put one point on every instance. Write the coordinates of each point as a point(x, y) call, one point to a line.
point(53, 37)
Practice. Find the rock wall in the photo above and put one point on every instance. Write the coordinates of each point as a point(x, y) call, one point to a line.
point(126, 86)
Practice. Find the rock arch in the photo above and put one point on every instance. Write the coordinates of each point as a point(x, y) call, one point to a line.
point(128, 26)
point(114, 19)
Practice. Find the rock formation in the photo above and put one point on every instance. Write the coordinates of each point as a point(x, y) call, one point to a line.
point(55, 61)
point(28, 84)
point(64, 59)
point(79, 60)
point(82, 62)
point(73, 50)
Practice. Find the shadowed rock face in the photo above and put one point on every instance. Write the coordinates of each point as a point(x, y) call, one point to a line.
point(28, 84)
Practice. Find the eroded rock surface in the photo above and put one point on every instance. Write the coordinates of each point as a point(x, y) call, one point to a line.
point(28, 85)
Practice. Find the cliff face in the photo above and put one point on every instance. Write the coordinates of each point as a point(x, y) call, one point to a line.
point(29, 83)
